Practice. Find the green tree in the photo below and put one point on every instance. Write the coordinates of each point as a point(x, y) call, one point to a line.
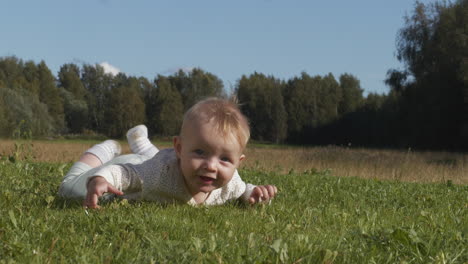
point(11, 71)
point(330, 96)
point(196, 85)
point(69, 79)
point(31, 78)
point(49, 95)
point(166, 110)
point(73, 94)
point(432, 86)
point(76, 112)
point(314, 104)
point(98, 85)
point(18, 75)
point(125, 107)
point(20, 109)
point(145, 86)
point(351, 94)
point(300, 100)
point(262, 102)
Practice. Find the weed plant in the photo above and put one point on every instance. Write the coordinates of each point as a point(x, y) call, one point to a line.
point(316, 218)
point(23, 144)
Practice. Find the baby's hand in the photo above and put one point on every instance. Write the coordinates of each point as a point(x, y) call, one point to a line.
point(263, 194)
point(97, 187)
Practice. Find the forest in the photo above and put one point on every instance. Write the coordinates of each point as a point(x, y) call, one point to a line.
point(426, 106)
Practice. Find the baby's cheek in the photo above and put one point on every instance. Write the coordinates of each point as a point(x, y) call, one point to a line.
point(229, 174)
point(193, 163)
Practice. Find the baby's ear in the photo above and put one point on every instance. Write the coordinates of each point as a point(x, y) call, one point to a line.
point(242, 157)
point(177, 145)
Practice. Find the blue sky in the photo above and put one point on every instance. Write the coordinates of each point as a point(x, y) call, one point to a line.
point(228, 38)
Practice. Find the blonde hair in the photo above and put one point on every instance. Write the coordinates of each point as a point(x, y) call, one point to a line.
point(226, 116)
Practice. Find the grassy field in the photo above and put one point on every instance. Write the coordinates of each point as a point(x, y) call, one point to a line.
point(326, 212)
point(402, 165)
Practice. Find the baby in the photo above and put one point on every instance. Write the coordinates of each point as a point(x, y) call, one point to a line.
point(200, 169)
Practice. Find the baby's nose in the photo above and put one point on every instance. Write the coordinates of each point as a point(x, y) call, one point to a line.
point(210, 164)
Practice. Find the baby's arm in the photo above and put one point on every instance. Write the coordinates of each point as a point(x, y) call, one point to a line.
point(111, 179)
point(97, 187)
point(253, 194)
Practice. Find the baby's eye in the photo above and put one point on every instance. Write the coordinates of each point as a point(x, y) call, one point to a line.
point(199, 152)
point(226, 159)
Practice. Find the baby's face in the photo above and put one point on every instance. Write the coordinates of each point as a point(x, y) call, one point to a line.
point(207, 160)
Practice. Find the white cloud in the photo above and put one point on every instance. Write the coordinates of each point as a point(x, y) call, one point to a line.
point(108, 68)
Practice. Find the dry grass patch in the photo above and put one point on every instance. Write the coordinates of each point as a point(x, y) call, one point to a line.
point(364, 163)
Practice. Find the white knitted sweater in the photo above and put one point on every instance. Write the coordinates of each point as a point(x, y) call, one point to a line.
point(159, 179)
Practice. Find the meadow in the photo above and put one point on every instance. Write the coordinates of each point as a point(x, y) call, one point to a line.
point(336, 205)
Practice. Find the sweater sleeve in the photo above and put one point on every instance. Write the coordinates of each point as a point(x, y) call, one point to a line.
point(245, 189)
point(248, 191)
point(121, 176)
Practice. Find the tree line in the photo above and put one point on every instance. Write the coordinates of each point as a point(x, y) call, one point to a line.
point(426, 107)
point(86, 100)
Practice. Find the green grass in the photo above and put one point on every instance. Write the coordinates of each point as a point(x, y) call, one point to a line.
point(316, 218)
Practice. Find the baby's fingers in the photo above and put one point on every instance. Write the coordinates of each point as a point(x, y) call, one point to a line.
point(272, 190)
point(114, 190)
point(260, 194)
point(255, 196)
point(265, 194)
point(91, 201)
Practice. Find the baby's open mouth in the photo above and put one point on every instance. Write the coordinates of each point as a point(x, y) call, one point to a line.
point(206, 179)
